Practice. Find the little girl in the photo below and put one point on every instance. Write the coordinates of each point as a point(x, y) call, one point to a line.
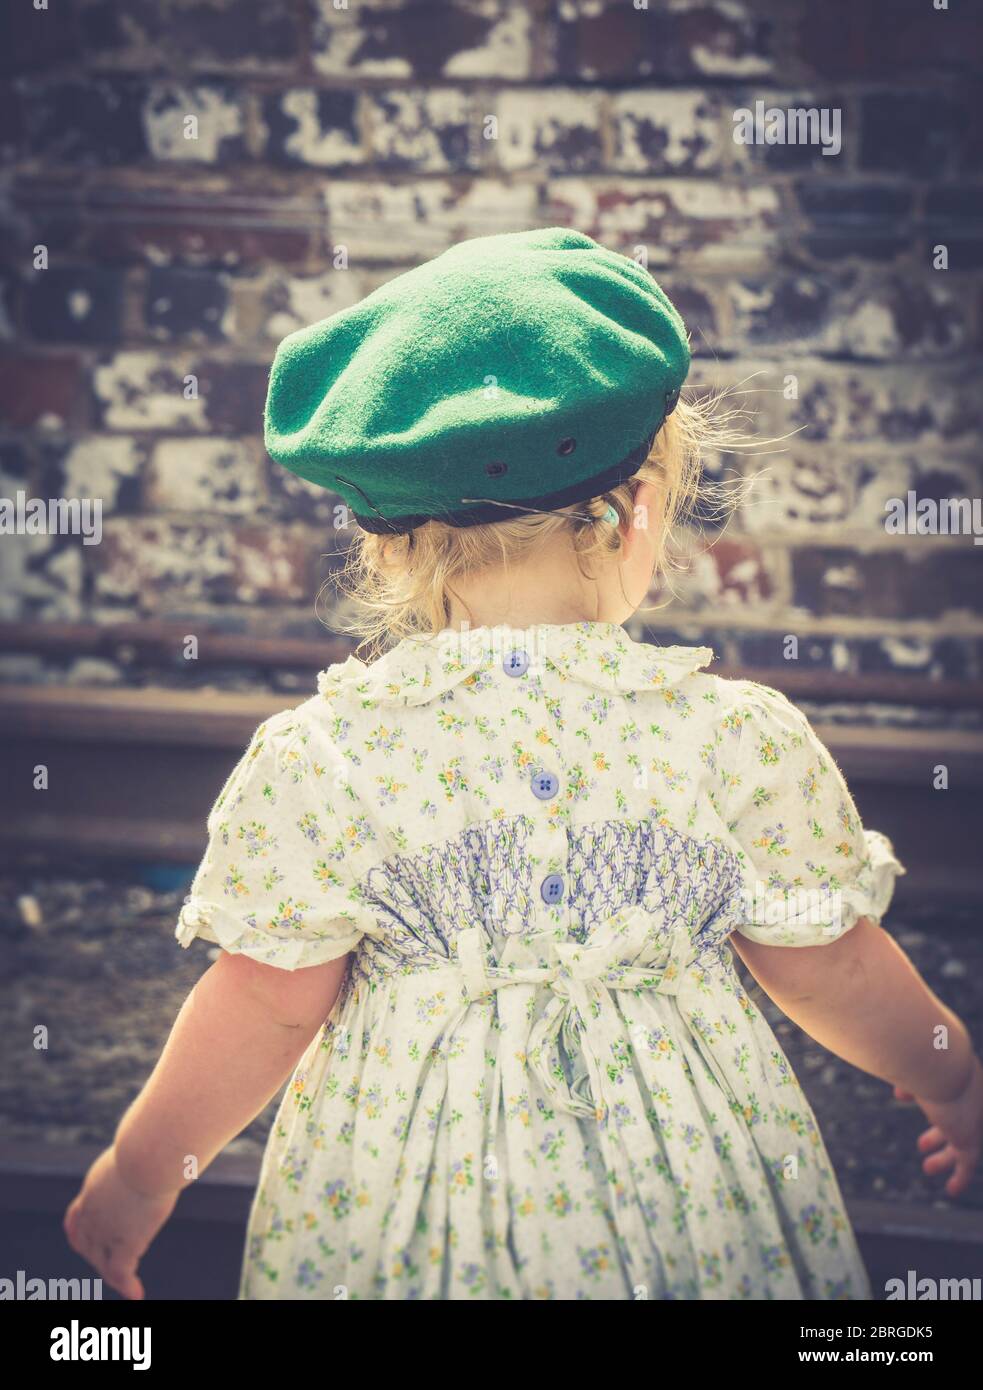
point(478, 898)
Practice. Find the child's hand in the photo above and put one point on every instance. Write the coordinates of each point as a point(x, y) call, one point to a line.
point(956, 1136)
point(111, 1225)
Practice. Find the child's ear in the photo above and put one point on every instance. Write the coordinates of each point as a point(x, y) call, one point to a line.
point(645, 507)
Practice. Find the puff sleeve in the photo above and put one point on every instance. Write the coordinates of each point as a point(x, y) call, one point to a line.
point(810, 870)
point(273, 883)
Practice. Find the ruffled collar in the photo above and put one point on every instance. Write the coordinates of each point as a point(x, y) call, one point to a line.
point(598, 654)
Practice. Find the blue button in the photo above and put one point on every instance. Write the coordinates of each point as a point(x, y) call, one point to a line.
point(516, 663)
point(551, 888)
point(545, 785)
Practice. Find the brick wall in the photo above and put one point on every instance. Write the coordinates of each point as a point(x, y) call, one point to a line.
point(359, 133)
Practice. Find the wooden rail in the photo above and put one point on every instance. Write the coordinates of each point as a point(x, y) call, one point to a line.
point(162, 643)
point(133, 773)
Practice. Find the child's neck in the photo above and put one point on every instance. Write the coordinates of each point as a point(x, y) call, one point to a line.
point(523, 611)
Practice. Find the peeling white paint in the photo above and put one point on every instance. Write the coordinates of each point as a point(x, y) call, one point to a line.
point(79, 304)
point(531, 124)
point(164, 116)
point(140, 390)
point(312, 298)
point(310, 143)
point(687, 119)
point(194, 475)
point(95, 467)
point(405, 126)
point(722, 64)
point(505, 48)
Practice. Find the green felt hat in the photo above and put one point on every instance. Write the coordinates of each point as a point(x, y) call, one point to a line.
point(514, 373)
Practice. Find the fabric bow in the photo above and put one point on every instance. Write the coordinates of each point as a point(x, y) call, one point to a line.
point(570, 1044)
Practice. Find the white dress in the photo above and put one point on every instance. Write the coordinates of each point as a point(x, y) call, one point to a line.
point(542, 1078)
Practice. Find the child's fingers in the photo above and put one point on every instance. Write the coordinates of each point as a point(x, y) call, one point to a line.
point(931, 1139)
point(121, 1275)
point(940, 1162)
point(961, 1178)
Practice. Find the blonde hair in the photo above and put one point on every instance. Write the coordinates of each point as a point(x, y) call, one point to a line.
point(401, 584)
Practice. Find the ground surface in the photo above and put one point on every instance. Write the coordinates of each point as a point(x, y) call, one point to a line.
point(95, 963)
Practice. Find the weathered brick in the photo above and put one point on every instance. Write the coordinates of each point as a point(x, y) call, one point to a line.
point(42, 577)
point(797, 492)
point(84, 123)
point(935, 658)
point(380, 221)
point(152, 565)
point(13, 134)
point(36, 39)
point(851, 316)
point(698, 304)
point(855, 220)
point(190, 304)
point(234, 395)
point(206, 476)
point(768, 649)
point(858, 203)
point(45, 393)
point(274, 564)
point(844, 39)
point(174, 223)
point(915, 579)
point(667, 132)
point(78, 304)
point(16, 466)
point(146, 391)
point(287, 303)
point(679, 222)
point(10, 301)
point(953, 218)
point(109, 467)
point(846, 403)
point(445, 38)
point(807, 489)
point(318, 128)
point(429, 132)
point(728, 573)
point(598, 42)
point(881, 478)
point(295, 499)
point(829, 132)
point(556, 129)
point(907, 132)
point(781, 313)
point(157, 565)
point(215, 136)
point(116, 222)
point(151, 34)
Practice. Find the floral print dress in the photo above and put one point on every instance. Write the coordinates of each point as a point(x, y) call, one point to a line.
point(542, 1078)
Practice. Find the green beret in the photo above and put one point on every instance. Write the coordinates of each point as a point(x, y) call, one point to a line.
point(532, 369)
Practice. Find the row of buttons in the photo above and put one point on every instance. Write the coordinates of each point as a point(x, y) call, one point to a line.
point(545, 785)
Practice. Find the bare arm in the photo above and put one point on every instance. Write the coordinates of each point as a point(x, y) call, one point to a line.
point(238, 1036)
point(862, 998)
